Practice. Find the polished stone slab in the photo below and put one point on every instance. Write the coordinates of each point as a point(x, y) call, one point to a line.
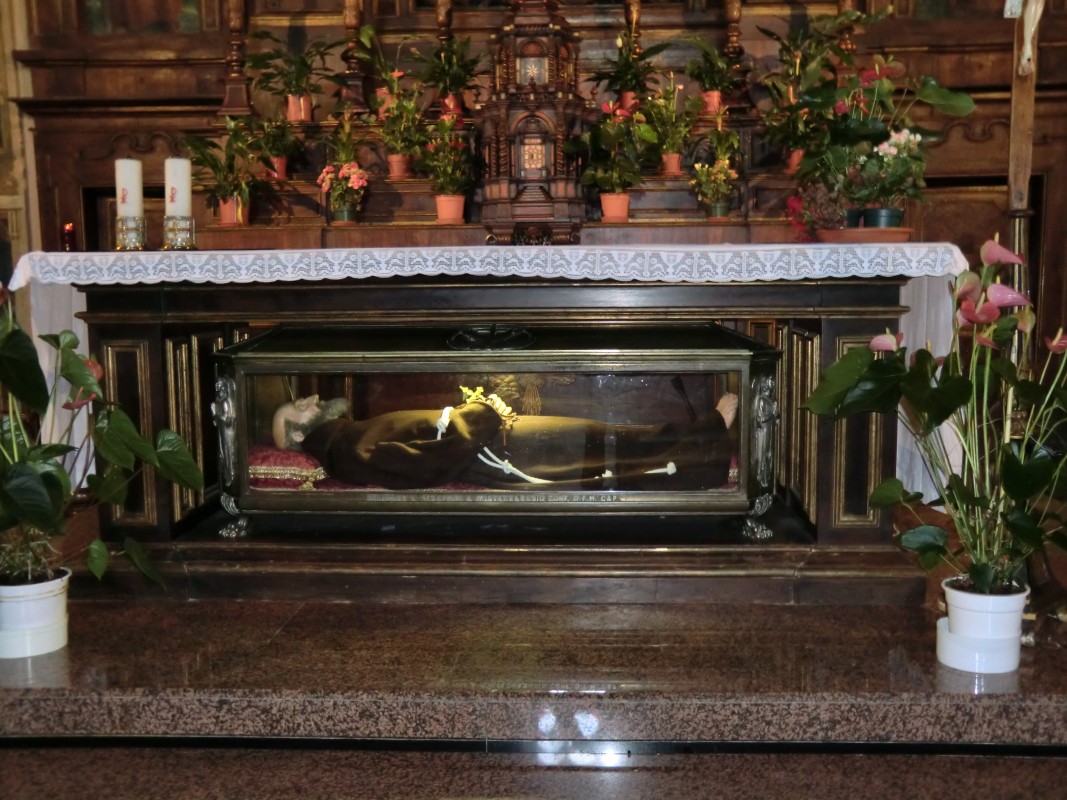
point(506, 673)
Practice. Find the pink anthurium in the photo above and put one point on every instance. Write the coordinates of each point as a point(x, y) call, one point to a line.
point(985, 341)
point(886, 342)
point(993, 252)
point(1057, 344)
point(968, 285)
point(1002, 296)
point(981, 315)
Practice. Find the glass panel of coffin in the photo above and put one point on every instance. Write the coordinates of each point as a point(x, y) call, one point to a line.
point(498, 420)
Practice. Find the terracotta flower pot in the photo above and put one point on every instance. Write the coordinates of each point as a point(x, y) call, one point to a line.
point(232, 213)
point(615, 207)
point(451, 106)
point(792, 163)
point(449, 208)
point(399, 166)
point(671, 165)
point(279, 168)
point(712, 101)
point(298, 107)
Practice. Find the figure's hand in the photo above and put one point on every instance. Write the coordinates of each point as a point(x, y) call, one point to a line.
point(727, 407)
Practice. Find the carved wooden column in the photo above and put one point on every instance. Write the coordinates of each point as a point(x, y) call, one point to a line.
point(733, 48)
point(237, 97)
point(846, 43)
point(353, 82)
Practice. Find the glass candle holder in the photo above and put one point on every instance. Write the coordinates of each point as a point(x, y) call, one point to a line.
point(179, 233)
point(129, 233)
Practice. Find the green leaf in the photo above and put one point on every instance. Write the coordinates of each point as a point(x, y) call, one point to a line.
point(119, 434)
point(888, 493)
point(838, 380)
point(879, 390)
point(176, 463)
point(28, 496)
point(956, 104)
point(943, 400)
point(139, 558)
point(97, 558)
point(982, 576)
point(110, 486)
point(72, 367)
point(20, 370)
point(925, 539)
point(1024, 480)
point(1025, 529)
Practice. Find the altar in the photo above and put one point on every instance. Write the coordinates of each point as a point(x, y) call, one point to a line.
point(155, 319)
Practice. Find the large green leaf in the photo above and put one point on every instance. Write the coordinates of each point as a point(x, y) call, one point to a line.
point(20, 370)
point(838, 380)
point(119, 441)
point(942, 401)
point(97, 558)
point(109, 486)
point(137, 555)
point(1025, 528)
point(925, 539)
point(947, 101)
point(28, 496)
point(877, 390)
point(176, 463)
point(983, 576)
point(1024, 480)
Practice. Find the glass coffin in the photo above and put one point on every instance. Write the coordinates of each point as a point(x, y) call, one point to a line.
point(493, 420)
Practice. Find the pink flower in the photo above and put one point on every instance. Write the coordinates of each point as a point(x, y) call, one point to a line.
point(984, 341)
point(841, 107)
point(78, 401)
point(994, 252)
point(95, 368)
point(396, 74)
point(607, 107)
point(886, 342)
point(1003, 296)
point(1057, 344)
point(969, 286)
point(983, 314)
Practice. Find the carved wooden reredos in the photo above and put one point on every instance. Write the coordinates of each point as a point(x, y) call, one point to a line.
point(130, 77)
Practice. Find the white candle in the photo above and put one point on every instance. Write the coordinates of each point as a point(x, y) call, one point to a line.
point(129, 191)
point(178, 177)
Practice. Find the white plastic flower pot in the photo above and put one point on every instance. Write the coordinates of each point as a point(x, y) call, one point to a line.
point(982, 633)
point(33, 618)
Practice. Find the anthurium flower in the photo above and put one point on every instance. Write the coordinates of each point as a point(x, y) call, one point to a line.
point(95, 368)
point(1003, 296)
point(1058, 343)
point(968, 285)
point(985, 341)
point(886, 342)
point(78, 401)
point(993, 252)
point(983, 314)
point(1026, 319)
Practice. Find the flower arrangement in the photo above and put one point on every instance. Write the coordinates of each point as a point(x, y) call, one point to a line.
point(447, 158)
point(986, 427)
point(344, 185)
point(671, 118)
point(891, 173)
point(814, 208)
point(713, 182)
point(45, 468)
point(615, 148)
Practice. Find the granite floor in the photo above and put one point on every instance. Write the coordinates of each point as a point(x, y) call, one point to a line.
point(313, 699)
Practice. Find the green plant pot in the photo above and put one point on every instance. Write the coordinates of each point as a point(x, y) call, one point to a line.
point(344, 215)
point(718, 209)
point(853, 217)
point(882, 217)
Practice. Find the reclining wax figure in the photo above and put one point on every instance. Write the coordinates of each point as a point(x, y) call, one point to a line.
point(484, 443)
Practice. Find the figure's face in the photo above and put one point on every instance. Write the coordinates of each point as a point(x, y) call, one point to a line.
point(291, 418)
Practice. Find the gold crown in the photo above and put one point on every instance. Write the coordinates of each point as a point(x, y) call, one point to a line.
point(507, 416)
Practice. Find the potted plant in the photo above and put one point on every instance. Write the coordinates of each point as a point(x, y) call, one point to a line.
point(401, 127)
point(44, 469)
point(630, 74)
point(293, 75)
point(343, 181)
point(451, 70)
point(275, 140)
point(672, 120)
point(986, 420)
point(873, 151)
point(714, 73)
point(446, 158)
point(714, 185)
point(614, 150)
point(226, 170)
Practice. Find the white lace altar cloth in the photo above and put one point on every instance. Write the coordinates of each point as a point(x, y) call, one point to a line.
point(671, 264)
